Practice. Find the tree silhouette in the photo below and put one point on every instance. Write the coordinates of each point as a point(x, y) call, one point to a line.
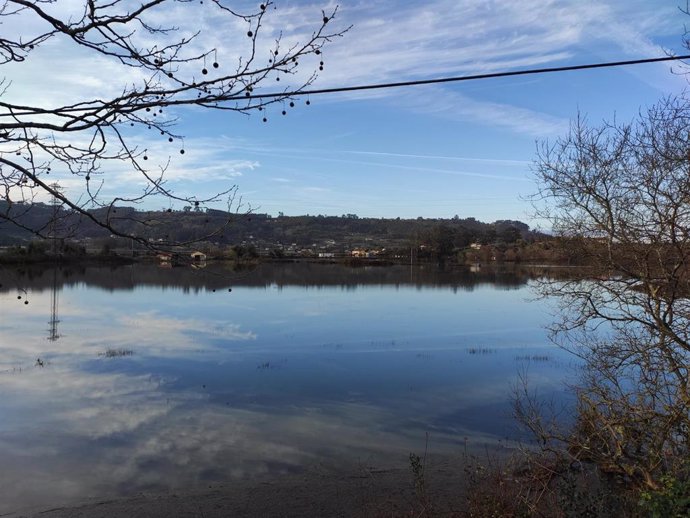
point(165, 53)
point(620, 193)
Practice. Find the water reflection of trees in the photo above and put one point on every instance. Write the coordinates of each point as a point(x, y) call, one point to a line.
point(223, 276)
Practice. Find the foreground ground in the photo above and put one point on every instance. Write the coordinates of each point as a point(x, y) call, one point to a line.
point(358, 491)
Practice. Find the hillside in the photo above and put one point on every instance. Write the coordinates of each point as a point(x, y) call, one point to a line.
point(345, 231)
point(245, 237)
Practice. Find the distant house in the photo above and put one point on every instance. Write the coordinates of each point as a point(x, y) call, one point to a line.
point(476, 246)
point(198, 257)
point(164, 258)
point(361, 252)
point(326, 254)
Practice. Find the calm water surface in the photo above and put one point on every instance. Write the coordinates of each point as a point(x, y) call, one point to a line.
point(297, 366)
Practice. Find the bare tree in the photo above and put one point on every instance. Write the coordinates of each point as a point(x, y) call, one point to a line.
point(621, 193)
point(163, 48)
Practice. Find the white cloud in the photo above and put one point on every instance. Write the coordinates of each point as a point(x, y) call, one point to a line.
point(315, 189)
point(456, 106)
point(389, 41)
point(448, 37)
point(513, 174)
point(204, 166)
point(437, 157)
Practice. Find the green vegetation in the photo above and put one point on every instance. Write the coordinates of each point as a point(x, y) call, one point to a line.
point(671, 500)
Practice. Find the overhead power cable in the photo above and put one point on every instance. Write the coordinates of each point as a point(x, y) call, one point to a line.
point(492, 75)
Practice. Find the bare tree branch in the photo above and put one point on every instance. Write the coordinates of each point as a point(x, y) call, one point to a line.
point(85, 139)
point(622, 192)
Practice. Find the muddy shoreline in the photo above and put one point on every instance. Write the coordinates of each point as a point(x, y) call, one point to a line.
point(355, 491)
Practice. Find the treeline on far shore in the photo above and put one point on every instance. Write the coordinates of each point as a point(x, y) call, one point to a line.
point(553, 251)
point(247, 238)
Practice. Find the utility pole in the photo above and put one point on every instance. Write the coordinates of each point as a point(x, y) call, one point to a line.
point(56, 204)
point(53, 334)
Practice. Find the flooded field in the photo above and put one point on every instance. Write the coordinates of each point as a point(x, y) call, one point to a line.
point(121, 380)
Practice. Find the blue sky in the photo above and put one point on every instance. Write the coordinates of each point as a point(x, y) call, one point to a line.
point(430, 151)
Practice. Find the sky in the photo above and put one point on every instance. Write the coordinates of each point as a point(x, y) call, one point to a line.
point(461, 149)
